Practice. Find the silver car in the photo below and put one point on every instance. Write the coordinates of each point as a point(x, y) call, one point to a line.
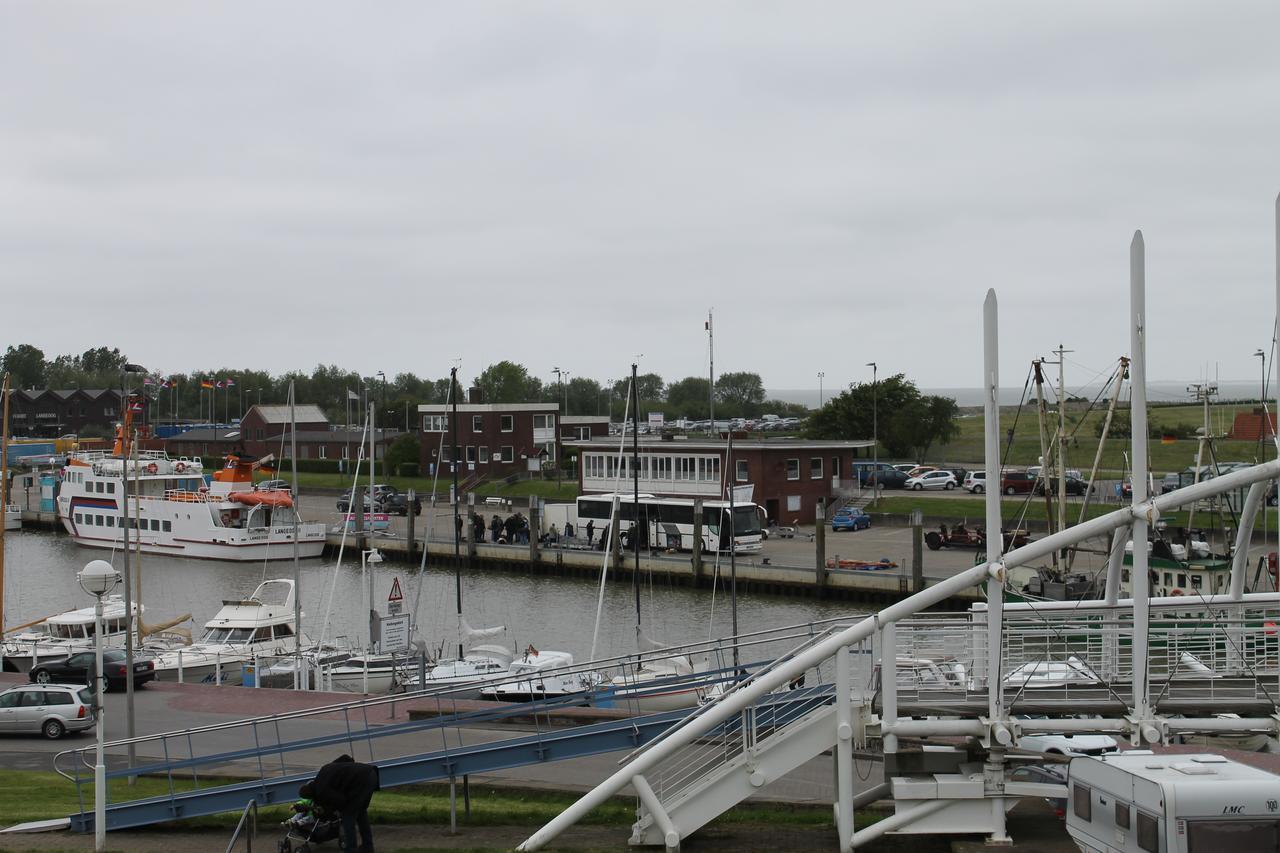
point(932, 480)
point(48, 709)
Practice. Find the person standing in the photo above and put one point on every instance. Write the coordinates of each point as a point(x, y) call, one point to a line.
point(346, 786)
point(591, 531)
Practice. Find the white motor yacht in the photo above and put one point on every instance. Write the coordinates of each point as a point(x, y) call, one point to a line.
point(666, 684)
point(462, 678)
point(65, 634)
point(362, 673)
point(540, 675)
point(241, 632)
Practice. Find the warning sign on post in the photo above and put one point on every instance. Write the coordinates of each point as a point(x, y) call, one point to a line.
point(396, 598)
point(395, 633)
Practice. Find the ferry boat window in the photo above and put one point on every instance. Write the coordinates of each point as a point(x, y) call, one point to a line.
point(155, 524)
point(167, 526)
point(262, 635)
point(1124, 576)
point(283, 632)
point(1168, 578)
point(239, 635)
point(111, 521)
point(1122, 815)
point(79, 518)
point(1206, 836)
point(1196, 581)
point(215, 635)
point(1082, 802)
point(111, 488)
point(1148, 833)
point(1182, 579)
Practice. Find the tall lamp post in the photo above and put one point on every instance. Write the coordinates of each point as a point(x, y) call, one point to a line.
point(820, 398)
point(385, 473)
point(130, 619)
point(875, 428)
point(98, 578)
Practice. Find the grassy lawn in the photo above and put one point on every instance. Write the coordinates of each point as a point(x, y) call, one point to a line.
point(27, 795)
point(967, 447)
point(974, 509)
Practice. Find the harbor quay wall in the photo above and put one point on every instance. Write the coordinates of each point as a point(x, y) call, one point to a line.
point(753, 575)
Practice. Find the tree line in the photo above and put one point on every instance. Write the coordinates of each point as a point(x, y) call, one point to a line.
point(337, 390)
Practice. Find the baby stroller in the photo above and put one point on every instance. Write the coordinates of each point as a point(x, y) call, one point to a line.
point(309, 829)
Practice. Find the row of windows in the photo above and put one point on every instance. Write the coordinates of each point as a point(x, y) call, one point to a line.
point(94, 520)
point(1148, 826)
point(506, 423)
point(506, 453)
point(681, 469)
point(815, 467)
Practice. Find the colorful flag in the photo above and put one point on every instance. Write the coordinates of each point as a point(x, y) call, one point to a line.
point(230, 383)
point(221, 383)
point(205, 383)
point(146, 380)
point(1168, 439)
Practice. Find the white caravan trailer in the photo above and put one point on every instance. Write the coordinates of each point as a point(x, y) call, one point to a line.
point(1139, 802)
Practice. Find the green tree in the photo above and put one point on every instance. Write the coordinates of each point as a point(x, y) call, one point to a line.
point(742, 393)
point(25, 365)
point(508, 382)
point(849, 415)
point(914, 427)
point(406, 448)
point(690, 397)
point(584, 397)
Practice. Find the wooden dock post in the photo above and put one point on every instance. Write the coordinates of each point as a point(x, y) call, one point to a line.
point(820, 548)
point(697, 541)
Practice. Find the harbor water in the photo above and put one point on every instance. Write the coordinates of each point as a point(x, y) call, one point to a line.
point(547, 612)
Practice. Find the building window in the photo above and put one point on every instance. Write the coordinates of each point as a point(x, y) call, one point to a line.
point(709, 468)
point(793, 503)
point(662, 467)
point(508, 453)
point(322, 452)
point(445, 453)
point(471, 453)
point(477, 423)
point(685, 468)
point(742, 471)
point(584, 433)
point(793, 469)
point(544, 421)
point(835, 466)
point(815, 468)
point(435, 423)
point(484, 455)
point(508, 424)
point(1082, 803)
point(260, 433)
point(346, 451)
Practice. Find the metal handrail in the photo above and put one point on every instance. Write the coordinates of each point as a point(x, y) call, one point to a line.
point(249, 816)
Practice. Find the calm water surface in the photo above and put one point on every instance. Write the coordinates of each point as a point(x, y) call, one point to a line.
point(551, 613)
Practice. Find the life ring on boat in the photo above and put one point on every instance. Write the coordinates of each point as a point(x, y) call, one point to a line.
point(180, 467)
point(1175, 592)
point(226, 519)
point(152, 468)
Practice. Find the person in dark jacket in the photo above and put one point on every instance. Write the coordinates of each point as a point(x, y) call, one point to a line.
point(346, 786)
point(591, 531)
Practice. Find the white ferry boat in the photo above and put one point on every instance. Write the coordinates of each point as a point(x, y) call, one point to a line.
point(175, 512)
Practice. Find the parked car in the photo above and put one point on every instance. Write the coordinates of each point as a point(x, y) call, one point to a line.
point(932, 480)
point(48, 709)
point(273, 486)
point(905, 467)
point(1170, 483)
point(1017, 482)
point(75, 670)
point(850, 518)
point(1044, 774)
point(920, 470)
point(1074, 486)
point(890, 478)
point(397, 503)
point(865, 471)
point(344, 502)
point(1072, 745)
point(975, 482)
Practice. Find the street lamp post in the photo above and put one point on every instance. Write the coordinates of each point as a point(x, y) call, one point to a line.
point(820, 398)
point(98, 578)
point(385, 473)
point(875, 429)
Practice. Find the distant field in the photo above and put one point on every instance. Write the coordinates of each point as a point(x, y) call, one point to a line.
point(1083, 442)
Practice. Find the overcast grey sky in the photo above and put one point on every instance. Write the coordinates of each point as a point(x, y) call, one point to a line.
point(389, 186)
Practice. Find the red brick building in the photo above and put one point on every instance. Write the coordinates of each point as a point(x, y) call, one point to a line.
point(493, 439)
point(265, 430)
point(790, 477)
point(49, 413)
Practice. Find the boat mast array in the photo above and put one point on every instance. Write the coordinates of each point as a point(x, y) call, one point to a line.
point(679, 795)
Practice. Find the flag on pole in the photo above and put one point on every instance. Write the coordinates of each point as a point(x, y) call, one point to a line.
point(147, 380)
point(1168, 439)
point(221, 383)
point(352, 395)
point(230, 383)
point(205, 383)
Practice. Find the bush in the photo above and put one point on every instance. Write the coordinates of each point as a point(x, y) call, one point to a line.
point(407, 469)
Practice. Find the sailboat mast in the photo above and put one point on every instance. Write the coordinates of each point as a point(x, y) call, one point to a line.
point(298, 683)
point(457, 537)
point(733, 549)
point(1061, 466)
point(635, 487)
point(373, 467)
point(711, 371)
point(4, 498)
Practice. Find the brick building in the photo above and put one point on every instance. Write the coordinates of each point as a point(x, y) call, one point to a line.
point(49, 413)
point(265, 430)
point(495, 439)
point(790, 477)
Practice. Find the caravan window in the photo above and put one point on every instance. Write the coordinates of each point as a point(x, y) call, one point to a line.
point(1082, 801)
point(1204, 836)
point(1122, 815)
point(1149, 833)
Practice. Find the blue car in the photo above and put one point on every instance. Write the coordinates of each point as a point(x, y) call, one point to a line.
point(850, 519)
